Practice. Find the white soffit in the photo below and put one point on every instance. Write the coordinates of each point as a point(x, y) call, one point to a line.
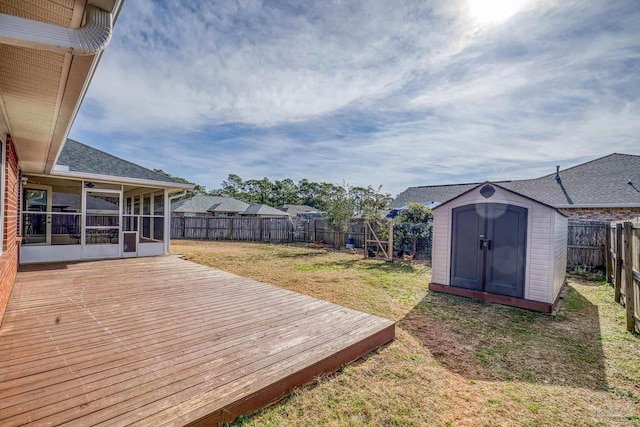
point(40, 90)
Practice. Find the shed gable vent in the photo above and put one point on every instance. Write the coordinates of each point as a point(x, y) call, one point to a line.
point(487, 191)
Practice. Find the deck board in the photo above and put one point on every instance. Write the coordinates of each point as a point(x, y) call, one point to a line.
point(163, 341)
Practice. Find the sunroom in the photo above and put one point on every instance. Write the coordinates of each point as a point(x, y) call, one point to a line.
point(83, 211)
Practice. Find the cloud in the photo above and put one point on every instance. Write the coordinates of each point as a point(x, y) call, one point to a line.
point(370, 92)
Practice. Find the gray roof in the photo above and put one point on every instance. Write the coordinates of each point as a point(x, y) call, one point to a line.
point(600, 182)
point(70, 202)
point(431, 193)
point(79, 157)
point(201, 203)
point(229, 204)
point(260, 209)
point(294, 210)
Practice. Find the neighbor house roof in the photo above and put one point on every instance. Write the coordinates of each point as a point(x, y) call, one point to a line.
point(294, 210)
point(77, 158)
point(260, 209)
point(228, 204)
point(70, 202)
point(610, 181)
point(201, 203)
point(428, 193)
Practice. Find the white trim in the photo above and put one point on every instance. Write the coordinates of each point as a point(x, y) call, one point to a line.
point(94, 64)
point(117, 179)
point(88, 40)
point(167, 222)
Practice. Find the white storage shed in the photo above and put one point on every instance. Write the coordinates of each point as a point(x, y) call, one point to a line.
point(496, 245)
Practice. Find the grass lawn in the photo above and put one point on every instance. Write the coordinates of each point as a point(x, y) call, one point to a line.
point(455, 362)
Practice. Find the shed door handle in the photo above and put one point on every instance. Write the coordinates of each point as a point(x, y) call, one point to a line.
point(485, 243)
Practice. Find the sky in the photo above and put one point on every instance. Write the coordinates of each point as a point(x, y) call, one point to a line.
point(367, 92)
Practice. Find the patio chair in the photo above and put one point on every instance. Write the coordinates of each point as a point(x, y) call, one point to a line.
point(113, 234)
point(74, 232)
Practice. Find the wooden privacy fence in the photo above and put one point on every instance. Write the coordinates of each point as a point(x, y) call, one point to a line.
point(251, 229)
point(317, 230)
point(586, 244)
point(256, 229)
point(623, 267)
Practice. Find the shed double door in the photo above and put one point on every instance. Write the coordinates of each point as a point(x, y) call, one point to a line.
point(489, 246)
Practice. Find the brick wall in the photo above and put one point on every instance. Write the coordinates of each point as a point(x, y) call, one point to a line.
point(9, 257)
point(601, 214)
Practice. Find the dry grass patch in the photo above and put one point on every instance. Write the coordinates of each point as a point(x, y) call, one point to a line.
point(455, 361)
point(372, 286)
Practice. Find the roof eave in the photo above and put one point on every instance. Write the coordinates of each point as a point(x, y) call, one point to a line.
point(57, 143)
point(598, 206)
point(503, 188)
point(121, 180)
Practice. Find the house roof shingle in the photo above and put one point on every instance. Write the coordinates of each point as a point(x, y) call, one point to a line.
point(260, 209)
point(79, 157)
point(294, 210)
point(600, 182)
point(201, 203)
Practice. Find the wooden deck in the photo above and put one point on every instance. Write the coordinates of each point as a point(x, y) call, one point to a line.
point(163, 341)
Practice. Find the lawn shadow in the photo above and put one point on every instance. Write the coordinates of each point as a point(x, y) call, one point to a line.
point(311, 254)
point(483, 341)
point(371, 265)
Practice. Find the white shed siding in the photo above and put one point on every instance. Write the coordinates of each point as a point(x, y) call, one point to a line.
point(546, 233)
point(560, 254)
point(538, 270)
point(440, 249)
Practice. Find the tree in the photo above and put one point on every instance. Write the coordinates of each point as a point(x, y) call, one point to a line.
point(370, 203)
point(339, 207)
point(197, 189)
point(284, 192)
point(412, 224)
point(258, 190)
point(232, 187)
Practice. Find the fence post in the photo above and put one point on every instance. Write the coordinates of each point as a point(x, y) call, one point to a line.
point(618, 270)
point(628, 275)
point(366, 237)
point(184, 227)
point(608, 253)
point(390, 245)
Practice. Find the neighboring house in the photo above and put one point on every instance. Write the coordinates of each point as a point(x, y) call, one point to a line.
point(264, 211)
point(213, 206)
point(295, 210)
point(604, 189)
point(59, 199)
point(203, 205)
